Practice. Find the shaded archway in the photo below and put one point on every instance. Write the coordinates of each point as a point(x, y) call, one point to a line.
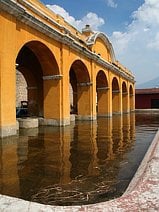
point(102, 94)
point(131, 95)
point(73, 92)
point(38, 66)
point(115, 96)
point(124, 98)
point(80, 83)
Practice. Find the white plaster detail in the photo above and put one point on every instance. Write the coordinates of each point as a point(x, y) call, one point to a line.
point(103, 88)
point(92, 39)
point(115, 91)
point(52, 77)
point(84, 84)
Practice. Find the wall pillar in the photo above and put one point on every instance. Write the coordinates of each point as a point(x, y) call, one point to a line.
point(125, 99)
point(132, 102)
point(116, 102)
point(132, 98)
point(53, 102)
point(85, 111)
point(103, 102)
point(7, 96)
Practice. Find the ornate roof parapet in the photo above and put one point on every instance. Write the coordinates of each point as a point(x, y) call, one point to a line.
point(87, 31)
point(91, 41)
point(122, 68)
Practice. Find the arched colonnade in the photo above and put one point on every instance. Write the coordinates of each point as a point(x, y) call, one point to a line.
point(93, 93)
point(65, 71)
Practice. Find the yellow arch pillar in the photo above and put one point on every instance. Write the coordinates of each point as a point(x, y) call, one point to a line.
point(85, 104)
point(132, 98)
point(7, 94)
point(125, 99)
point(117, 102)
point(52, 100)
point(132, 102)
point(103, 94)
point(116, 91)
point(7, 78)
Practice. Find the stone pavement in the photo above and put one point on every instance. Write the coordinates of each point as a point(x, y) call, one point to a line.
point(141, 195)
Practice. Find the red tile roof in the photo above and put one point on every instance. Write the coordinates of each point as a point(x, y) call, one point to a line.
point(147, 91)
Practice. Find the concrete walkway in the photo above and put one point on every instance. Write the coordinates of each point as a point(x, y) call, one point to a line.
point(141, 195)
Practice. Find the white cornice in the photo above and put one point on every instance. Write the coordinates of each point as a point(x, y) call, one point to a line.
point(84, 84)
point(52, 77)
point(103, 88)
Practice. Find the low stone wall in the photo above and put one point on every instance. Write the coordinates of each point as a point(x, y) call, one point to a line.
point(142, 193)
point(26, 123)
point(150, 111)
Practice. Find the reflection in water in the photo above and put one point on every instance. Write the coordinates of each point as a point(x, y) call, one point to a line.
point(84, 163)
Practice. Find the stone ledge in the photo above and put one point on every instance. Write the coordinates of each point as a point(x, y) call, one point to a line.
point(85, 117)
point(108, 115)
point(147, 111)
point(8, 130)
point(141, 194)
point(28, 122)
point(72, 117)
point(54, 122)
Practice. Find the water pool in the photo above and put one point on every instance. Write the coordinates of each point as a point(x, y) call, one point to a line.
point(86, 162)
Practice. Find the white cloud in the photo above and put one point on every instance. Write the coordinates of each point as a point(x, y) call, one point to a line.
point(154, 42)
point(138, 46)
point(148, 12)
point(111, 3)
point(90, 18)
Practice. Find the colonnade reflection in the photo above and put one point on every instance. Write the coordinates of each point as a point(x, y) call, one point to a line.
point(38, 158)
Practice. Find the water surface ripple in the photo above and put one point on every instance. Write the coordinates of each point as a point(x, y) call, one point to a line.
point(83, 163)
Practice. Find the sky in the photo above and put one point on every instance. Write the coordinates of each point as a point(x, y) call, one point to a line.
point(132, 26)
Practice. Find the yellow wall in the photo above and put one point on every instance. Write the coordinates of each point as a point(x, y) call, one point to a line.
point(56, 58)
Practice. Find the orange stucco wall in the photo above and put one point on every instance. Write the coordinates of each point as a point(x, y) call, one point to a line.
point(56, 57)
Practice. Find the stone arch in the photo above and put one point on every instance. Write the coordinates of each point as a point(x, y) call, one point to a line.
point(115, 96)
point(124, 98)
point(81, 87)
point(102, 89)
point(38, 65)
point(44, 55)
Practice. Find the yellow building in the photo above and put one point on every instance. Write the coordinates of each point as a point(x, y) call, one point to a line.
point(52, 55)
